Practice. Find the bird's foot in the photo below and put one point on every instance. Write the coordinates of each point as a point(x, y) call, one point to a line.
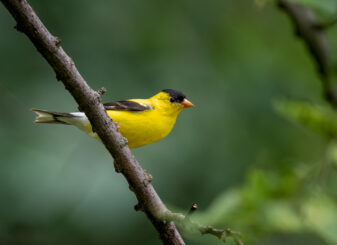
point(117, 125)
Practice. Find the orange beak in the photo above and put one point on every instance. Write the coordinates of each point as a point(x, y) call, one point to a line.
point(186, 103)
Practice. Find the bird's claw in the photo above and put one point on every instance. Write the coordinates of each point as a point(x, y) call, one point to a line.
point(117, 125)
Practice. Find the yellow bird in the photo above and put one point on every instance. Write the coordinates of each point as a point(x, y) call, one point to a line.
point(141, 121)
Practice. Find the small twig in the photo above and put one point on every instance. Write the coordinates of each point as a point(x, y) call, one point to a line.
point(192, 210)
point(188, 224)
point(101, 91)
point(222, 234)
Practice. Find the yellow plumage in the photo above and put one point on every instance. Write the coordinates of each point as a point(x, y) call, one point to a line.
point(141, 121)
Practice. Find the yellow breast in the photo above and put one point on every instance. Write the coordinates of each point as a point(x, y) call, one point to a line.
point(144, 127)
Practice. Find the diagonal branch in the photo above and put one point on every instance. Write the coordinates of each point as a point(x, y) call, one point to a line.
point(312, 32)
point(89, 102)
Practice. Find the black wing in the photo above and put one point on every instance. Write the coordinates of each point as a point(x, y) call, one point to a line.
point(126, 105)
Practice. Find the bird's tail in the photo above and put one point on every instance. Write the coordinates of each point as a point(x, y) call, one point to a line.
point(51, 116)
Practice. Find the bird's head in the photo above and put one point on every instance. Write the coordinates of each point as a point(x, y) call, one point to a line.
point(172, 101)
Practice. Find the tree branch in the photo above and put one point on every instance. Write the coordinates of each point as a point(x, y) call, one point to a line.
point(186, 222)
point(312, 32)
point(89, 101)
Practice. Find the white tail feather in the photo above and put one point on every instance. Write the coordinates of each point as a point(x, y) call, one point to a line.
point(48, 116)
point(77, 119)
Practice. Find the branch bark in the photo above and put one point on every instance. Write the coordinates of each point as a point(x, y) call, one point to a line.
point(312, 32)
point(90, 103)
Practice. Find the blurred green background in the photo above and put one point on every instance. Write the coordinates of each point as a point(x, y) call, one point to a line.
point(236, 153)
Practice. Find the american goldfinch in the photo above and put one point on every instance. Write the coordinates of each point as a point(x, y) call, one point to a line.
point(141, 121)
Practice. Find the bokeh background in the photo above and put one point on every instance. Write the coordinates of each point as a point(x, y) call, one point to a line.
point(236, 153)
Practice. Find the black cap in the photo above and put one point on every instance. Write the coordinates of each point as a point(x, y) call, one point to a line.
point(176, 96)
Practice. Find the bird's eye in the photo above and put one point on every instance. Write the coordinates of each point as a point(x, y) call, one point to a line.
point(172, 100)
